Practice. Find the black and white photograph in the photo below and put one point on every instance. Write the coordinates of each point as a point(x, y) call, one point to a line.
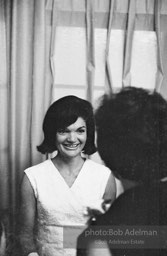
point(83, 133)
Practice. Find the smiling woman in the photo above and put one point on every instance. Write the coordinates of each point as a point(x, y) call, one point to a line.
point(63, 113)
point(63, 191)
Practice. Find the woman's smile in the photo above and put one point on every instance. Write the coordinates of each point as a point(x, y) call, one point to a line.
point(71, 146)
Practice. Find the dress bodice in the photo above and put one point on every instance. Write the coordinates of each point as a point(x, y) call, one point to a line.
point(62, 210)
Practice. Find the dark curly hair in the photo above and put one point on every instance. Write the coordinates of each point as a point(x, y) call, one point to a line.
point(132, 134)
point(63, 113)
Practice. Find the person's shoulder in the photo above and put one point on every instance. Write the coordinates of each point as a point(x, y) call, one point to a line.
point(133, 207)
point(97, 167)
point(38, 167)
point(121, 212)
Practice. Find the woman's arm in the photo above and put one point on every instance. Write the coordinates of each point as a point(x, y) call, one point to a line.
point(110, 191)
point(108, 198)
point(27, 217)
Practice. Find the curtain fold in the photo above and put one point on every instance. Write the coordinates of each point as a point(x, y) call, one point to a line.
point(90, 37)
point(54, 7)
point(109, 83)
point(41, 78)
point(129, 43)
point(4, 167)
point(20, 92)
point(160, 73)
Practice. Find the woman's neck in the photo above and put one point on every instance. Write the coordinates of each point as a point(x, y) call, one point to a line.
point(68, 164)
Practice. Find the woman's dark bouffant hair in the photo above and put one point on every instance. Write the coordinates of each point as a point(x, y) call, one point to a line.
point(63, 113)
point(132, 134)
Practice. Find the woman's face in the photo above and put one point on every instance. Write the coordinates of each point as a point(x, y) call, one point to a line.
point(71, 140)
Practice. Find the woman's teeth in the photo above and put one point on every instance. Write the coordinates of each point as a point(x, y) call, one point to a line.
point(71, 145)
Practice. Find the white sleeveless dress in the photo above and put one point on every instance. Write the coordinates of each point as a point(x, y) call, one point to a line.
point(62, 210)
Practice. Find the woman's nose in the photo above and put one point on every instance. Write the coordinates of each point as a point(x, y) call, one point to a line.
point(71, 137)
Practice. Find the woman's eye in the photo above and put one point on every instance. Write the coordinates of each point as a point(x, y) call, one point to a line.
point(61, 132)
point(81, 131)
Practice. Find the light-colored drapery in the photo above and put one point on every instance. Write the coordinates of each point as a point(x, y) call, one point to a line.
point(29, 31)
point(25, 91)
point(4, 165)
point(130, 20)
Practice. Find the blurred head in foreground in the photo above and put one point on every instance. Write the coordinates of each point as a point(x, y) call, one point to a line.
point(132, 134)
